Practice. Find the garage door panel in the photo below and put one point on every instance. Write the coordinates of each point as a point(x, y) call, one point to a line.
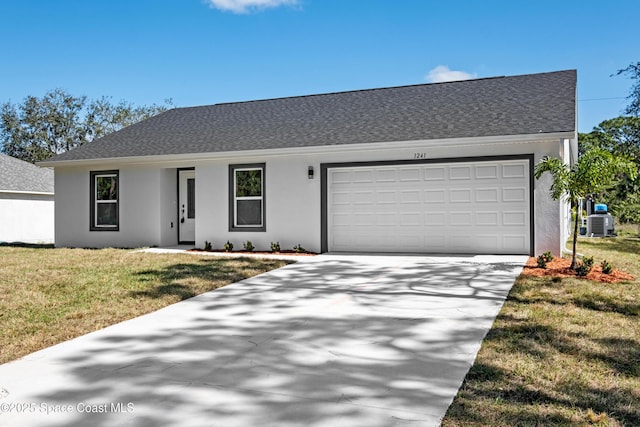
point(434, 173)
point(409, 174)
point(461, 219)
point(460, 173)
point(514, 171)
point(460, 207)
point(410, 196)
point(489, 219)
point(435, 219)
point(514, 218)
point(435, 196)
point(514, 242)
point(487, 195)
point(460, 195)
point(487, 172)
point(514, 194)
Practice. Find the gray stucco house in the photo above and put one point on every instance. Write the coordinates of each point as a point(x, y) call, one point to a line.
point(429, 168)
point(26, 202)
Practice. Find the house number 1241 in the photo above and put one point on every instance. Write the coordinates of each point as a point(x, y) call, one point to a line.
point(420, 155)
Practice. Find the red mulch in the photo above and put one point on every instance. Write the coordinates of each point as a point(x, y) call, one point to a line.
point(559, 267)
point(289, 252)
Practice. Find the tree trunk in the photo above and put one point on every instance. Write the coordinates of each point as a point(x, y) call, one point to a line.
point(575, 239)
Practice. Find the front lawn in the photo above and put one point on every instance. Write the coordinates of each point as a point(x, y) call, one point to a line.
point(562, 351)
point(51, 295)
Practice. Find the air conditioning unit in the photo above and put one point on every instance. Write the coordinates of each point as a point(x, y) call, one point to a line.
point(600, 225)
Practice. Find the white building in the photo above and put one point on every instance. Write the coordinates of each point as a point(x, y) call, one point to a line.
point(431, 168)
point(26, 202)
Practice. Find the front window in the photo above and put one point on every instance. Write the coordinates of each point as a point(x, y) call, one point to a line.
point(247, 197)
point(104, 201)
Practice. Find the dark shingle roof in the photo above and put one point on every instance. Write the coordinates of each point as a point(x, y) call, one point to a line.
point(516, 105)
point(17, 175)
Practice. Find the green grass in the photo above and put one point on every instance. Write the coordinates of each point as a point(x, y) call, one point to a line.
point(51, 295)
point(561, 352)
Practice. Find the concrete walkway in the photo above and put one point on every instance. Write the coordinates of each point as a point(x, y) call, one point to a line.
point(333, 340)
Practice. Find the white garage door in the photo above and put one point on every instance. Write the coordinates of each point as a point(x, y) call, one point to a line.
point(462, 207)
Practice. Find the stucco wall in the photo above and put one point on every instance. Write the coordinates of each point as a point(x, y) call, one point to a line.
point(26, 218)
point(141, 208)
point(293, 202)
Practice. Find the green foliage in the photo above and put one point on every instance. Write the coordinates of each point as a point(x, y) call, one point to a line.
point(207, 246)
point(628, 210)
point(607, 268)
point(41, 127)
point(595, 169)
point(582, 269)
point(228, 247)
point(248, 246)
point(299, 249)
point(633, 70)
point(275, 247)
point(619, 136)
point(588, 261)
point(542, 261)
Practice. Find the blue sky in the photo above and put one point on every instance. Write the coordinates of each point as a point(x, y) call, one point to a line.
point(209, 51)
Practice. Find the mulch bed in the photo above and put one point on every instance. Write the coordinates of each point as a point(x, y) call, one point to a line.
point(559, 267)
point(255, 252)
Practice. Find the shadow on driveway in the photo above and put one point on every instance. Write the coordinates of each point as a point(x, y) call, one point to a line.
point(336, 340)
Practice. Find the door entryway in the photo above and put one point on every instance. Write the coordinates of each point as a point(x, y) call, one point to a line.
point(187, 206)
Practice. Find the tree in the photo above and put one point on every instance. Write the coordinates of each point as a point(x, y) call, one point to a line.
point(619, 136)
point(595, 169)
point(104, 117)
point(41, 127)
point(634, 97)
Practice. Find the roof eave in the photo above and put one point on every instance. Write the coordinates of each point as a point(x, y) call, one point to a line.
point(318, 149)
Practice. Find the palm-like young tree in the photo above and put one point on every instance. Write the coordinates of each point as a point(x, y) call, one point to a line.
point(594, 170)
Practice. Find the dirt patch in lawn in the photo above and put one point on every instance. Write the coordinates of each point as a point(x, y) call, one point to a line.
point(559, 267)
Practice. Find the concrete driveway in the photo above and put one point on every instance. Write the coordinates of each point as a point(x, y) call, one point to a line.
point(335, 340)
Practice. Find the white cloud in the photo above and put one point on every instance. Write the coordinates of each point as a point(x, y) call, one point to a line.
point(442, 73)
point(245, 6)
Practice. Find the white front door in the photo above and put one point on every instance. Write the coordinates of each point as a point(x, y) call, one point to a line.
point(187, 205)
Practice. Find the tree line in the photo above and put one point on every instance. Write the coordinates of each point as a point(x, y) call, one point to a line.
point(39, 128)
point(620, 136)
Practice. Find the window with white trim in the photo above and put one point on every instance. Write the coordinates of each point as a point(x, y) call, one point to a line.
point(246, 197)
point(105, 201)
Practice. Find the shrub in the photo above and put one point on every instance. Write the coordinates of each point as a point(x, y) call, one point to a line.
point(542, 261)
point(228, 247)
point(548, 256)
point(583, 269)
point(207, 246)
point(299, 249)
point(275, 247)
point(607, 268)
point(588, 261)
point(248, 246)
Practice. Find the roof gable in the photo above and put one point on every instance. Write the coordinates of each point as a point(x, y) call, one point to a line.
point(516, 105)
point(20, 176)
